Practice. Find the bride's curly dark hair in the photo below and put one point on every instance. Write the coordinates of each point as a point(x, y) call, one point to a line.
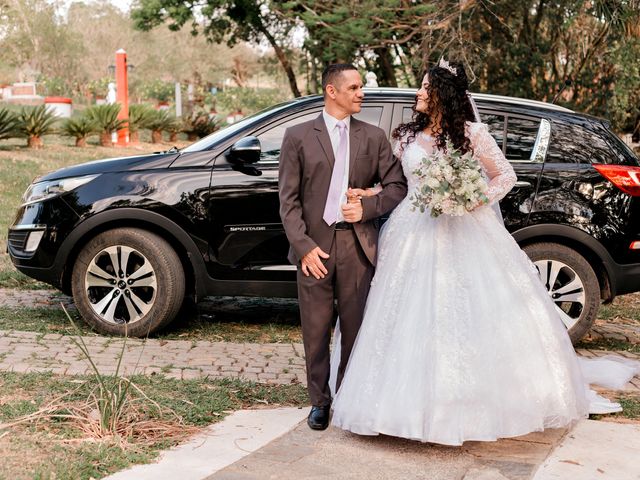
point(448, 95)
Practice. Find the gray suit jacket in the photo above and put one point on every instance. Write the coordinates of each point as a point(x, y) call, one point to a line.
point(306, 163)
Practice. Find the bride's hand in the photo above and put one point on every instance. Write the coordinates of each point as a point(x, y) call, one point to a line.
point(481, 203)
point(355, 194)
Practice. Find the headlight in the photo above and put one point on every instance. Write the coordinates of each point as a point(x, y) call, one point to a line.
point(40, 191)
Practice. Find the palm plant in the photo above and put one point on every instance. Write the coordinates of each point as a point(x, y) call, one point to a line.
point(106, 119)
point(33, 123)
point(80, 128)
point(139, 116)
point(174, 129)
point(199, 125)
point(160, 121)
point(8, 123)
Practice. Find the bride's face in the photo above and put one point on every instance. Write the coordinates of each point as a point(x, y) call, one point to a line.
point(422, 96)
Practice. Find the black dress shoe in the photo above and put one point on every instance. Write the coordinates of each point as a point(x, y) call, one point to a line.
point(318, 418)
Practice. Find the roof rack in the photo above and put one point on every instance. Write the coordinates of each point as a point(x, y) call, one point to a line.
point(480, 96)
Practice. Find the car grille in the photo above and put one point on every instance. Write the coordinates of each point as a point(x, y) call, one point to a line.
point(18, 239)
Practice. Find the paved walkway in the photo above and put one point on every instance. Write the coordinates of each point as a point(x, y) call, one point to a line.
point(335, 454)
point(183, 359)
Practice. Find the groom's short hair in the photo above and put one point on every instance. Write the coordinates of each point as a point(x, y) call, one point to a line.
point(332, 73)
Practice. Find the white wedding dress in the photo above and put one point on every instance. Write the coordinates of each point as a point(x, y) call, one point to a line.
point(460, 340)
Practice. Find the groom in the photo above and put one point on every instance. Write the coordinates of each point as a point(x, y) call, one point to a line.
point(333, 241)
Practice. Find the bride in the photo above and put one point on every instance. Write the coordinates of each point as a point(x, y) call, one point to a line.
point(460, 340)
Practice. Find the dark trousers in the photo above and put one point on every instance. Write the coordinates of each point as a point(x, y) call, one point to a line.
point(348, 280)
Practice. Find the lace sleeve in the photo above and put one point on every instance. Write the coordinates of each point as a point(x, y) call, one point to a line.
point(501, 176)
point(397, 148)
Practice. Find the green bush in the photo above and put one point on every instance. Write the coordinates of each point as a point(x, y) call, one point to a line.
point(79, 128)
point(33, 123)
point(248, 100)
point(156, 90)
point(140, 114)
point(160, 121)
point(200, 124)
point(53, 86)
point(106, 119)
point(100, 87)
point(8, 123)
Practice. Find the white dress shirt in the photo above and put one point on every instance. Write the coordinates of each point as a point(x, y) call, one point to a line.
point(334, 135)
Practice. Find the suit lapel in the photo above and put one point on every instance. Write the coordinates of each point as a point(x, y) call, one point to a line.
point(354, 144)
point(323, 138)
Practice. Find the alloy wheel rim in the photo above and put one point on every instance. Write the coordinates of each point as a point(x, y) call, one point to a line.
point(121, 285)
point(565, 288)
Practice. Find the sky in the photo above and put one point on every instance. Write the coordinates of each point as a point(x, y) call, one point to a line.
point(121, 4)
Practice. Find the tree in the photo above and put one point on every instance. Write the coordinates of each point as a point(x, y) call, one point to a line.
point(220, 21)
point(529, 48)
point(35, 40)
point(383, 36)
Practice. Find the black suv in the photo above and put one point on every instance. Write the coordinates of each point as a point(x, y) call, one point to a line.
point(129, 237)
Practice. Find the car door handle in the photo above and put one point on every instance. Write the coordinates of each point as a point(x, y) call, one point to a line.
point(522, 184)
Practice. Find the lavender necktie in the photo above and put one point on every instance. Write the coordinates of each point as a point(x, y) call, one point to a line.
point(337, 177)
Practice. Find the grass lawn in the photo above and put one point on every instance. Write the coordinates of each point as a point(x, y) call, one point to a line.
point(228, 319)
point(55, 449)
point(630, 408)
point(625, 309)
point(19, 165)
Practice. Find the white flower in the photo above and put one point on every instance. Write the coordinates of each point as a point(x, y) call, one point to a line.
point(433, 182)
point(461, 174)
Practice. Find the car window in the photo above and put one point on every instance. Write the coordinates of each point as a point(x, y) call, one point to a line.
point(407, 114)
point(495, 123)
point(521, 137)
point(271, 140)
point(212, 140)
point(576, 144)
point(370, 115)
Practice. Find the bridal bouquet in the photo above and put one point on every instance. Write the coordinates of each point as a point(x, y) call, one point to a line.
point(450, 183)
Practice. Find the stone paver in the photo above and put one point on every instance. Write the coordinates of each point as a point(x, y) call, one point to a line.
point(182, 359)
point(186, 359)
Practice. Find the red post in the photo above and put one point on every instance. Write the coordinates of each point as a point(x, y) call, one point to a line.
point(122, 89)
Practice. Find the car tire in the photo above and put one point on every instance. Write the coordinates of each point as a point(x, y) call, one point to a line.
point(571, 283)
point(136, 300)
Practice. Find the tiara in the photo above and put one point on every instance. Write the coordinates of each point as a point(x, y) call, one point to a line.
point(445, 64)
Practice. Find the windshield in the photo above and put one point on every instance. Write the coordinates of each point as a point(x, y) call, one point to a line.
point(211, 140)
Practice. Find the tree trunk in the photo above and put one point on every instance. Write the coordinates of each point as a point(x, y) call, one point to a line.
point(81, 142)
point(284, 61)
point(173, 137)
point(105, 139)
point(385, 65)
point(156, 136)
point(35, 141)
point(192, 137)
point(134, 137)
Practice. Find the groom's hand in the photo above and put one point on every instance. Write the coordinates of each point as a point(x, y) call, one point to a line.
point(352, 211)
point(311, 263)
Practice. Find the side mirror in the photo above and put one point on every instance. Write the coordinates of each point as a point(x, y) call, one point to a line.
point(245, 151)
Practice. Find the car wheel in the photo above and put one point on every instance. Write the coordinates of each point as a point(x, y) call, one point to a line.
point(128, 281)
point(571, 283)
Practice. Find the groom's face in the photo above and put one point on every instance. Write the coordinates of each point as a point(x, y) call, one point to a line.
point(346, 93)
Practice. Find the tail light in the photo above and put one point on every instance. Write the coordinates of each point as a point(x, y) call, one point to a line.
point(624, 177)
